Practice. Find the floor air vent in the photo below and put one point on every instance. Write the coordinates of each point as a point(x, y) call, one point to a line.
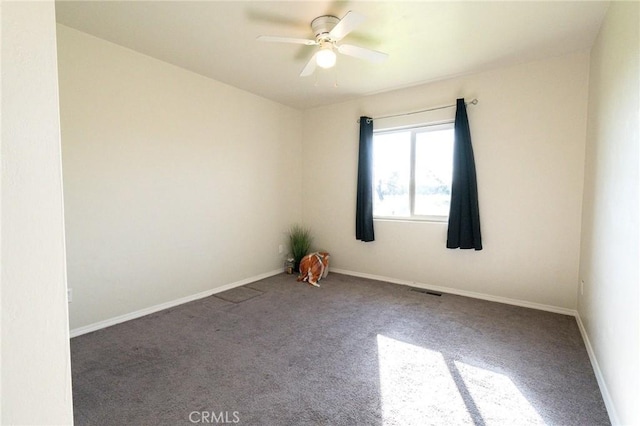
point(429, 292)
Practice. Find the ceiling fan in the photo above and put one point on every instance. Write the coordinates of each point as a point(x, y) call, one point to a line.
point(329, 30)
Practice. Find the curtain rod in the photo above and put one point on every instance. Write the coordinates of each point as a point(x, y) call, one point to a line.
point(472, 102)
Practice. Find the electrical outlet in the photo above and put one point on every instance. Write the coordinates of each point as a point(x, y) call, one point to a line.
point(69, 295)
point(280, 249)
point(581, 287)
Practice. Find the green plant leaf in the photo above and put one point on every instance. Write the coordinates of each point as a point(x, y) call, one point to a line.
point(299, 241)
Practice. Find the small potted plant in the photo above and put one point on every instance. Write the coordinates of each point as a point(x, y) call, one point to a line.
point(299, 243)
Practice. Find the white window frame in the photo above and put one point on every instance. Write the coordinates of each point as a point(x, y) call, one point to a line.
point(412, 184)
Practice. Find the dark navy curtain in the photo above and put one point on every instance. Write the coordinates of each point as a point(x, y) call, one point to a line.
point(364, 202)
point(464, 214)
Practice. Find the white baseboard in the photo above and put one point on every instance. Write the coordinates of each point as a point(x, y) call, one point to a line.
point(491, 298)
point(146, 311)
point(606, 396)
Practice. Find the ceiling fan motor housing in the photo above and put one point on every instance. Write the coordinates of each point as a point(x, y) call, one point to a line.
point(322, 26)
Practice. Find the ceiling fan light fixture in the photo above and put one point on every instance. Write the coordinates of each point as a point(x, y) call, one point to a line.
point(326, 57)
point(329, 30)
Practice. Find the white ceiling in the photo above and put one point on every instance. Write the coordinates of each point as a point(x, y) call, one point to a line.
point(425, 40)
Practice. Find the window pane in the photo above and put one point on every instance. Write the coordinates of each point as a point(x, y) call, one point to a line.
point(434, 163)
point(391, 174)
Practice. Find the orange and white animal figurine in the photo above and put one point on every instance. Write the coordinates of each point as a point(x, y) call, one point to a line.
point(314, 267)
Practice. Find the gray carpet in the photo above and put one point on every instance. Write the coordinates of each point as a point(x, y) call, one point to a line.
point(352, 352)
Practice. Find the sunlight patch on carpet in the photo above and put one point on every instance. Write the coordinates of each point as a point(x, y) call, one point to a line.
point(416, 386)
point(419, 386)
point(497, 397)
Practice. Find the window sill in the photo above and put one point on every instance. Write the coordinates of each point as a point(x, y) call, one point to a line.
point(424, 219)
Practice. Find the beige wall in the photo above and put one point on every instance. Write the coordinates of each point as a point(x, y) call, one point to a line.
point(528, 134)
point(610, 305)
point(36, 374)
point(175, 184)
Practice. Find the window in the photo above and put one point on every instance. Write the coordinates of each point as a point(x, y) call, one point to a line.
point(412, 171)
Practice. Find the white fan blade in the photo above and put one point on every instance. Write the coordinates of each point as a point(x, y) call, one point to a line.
point(347, 24)
point(310, 67)
point(288, 40)
point(362, 53)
